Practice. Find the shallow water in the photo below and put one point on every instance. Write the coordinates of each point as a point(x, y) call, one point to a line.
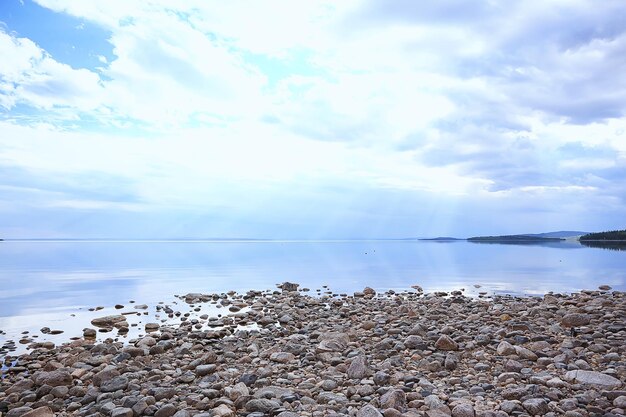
point(44, 283)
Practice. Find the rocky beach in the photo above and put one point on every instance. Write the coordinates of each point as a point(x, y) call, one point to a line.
point(286, 353)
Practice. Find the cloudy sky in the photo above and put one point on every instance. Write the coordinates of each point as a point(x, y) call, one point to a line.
point(324, 119)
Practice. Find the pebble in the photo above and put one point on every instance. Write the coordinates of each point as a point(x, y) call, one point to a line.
point(288, 354)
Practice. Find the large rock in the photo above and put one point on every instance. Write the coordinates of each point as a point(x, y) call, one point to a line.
point(289, 286)
point(114, 384)
point(223, 411)
point(395, 399)
point(282, 357)
point(370, 292)
point(116, 320)
point(262, 405)
point(414, 342)
point(204, 370)
point(122, 412)
point(328, 397)
point(446, 343)
point(368, 411)
point(104, 375)
point(358, 368)
point(168, 410)
point(272, 392)
point(463, 410)
point(54, 378)
point(439, 412)
point(333, 342)
point(505, 348)
point(575, 320)
point(152, 327)
point(536, 406)
point(44, 411)
point(593, 378)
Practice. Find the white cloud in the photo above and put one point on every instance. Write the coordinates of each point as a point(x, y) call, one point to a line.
point(31, 76)
point(211, 101)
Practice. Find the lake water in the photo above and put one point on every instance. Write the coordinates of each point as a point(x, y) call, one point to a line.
point(54, 283)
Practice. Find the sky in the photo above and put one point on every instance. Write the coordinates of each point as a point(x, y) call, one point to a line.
point(315, 120)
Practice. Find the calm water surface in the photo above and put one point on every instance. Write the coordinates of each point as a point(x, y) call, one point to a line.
point(45, 282)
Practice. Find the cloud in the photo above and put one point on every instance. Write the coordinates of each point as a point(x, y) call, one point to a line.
point(31, 76)
point(232, 109)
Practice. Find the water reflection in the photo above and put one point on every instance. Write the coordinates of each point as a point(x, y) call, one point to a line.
point(563, 244)
point(617, 245)
point(57, 279)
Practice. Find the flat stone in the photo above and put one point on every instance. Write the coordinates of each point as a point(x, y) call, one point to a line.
point(575, 320)
point(104, 375)
point(18, 411)
point(439, 412)
point(368, 411)
point(536, 406)
point(122, 412)
point(44, 411)
point(282, 357)
point(168, 410)
point(333, 342)
point(262, 405)
point(593, 378)
point(54, 378)
point(109, 321)
point(463, 410)
point(114, 384)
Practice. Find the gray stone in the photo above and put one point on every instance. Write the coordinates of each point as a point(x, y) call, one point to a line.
point(463, 410)
point(439, 412)
point(203, 370)
point(395, 399)
point(414, 342)
point(114, 384)
point(18, 411)
point(433, 402)
point(368, 411)
point(262, 405)
point(328, 397)
point(593, 378)
point(282, 357)
point(122, 412)
point(272, 392)
point(536, 406)
point(168, 410)
point(505, 348)
point(358, 368)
